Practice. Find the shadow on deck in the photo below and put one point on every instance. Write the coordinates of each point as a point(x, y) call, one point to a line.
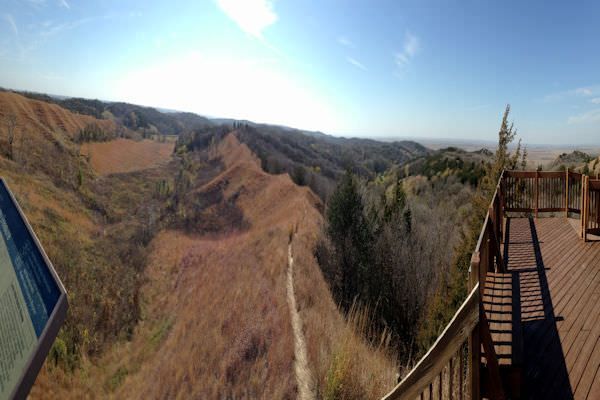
point(555, 278)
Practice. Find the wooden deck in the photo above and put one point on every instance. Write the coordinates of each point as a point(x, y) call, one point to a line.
point(556, 278)
point(530, 326)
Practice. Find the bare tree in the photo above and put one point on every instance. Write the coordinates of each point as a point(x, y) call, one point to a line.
point(11, 128)
point(23, 143)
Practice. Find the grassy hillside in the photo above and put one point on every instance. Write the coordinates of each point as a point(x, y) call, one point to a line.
point(175, 268)
point(131, 116)
point(315, 161)
point(574, 160)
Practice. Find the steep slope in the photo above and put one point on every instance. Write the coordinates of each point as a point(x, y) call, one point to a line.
point(573, 160)
point(212, 318)
point(594, 167)
point(36, 116)
point(94, 229)
point(131, 115)
point(216, 318)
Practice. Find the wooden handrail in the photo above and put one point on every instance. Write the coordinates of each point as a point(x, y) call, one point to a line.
point(542, 191)
point(445, 347)
point(517, 191)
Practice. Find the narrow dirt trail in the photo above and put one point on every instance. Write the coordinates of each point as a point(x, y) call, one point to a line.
point(303, 375)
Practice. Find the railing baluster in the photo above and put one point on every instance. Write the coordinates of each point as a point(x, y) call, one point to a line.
point(450, 378)
point(461, 372)
point(517, 191)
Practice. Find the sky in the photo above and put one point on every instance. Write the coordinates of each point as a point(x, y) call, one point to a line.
point(399, 68)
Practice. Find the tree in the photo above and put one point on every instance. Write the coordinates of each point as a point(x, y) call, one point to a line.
point(350, 237)
point(452, 289)
point(11, 127)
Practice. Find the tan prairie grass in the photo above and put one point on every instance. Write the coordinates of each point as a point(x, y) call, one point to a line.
point(215, 322)
point(229, 331)
point(35, 116)
point(345, 365)
point(231, 334)
point(126, 155)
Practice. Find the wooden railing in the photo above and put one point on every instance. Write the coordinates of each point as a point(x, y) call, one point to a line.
point(451, 368)
point(446, 370)
point(590, 220)
point(531, 191)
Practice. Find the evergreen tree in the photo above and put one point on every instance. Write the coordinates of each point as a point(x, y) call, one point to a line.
point(350, 236)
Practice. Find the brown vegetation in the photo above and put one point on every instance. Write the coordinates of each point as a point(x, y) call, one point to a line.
point(231, 334)
point(213, 320)
point(126, 155)
point(36, 116)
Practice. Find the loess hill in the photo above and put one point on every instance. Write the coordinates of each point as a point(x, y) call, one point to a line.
point(175, 266)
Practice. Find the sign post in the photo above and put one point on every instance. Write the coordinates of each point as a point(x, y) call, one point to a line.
point(33, 301)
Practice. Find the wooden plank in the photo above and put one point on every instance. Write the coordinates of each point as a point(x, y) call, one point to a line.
point(519, 209)
point(551, 209)
point(497, 392)
point(452, 338)
point(594, 392)
point(520, 174)
point(576, 176)
point(551, 174)
point(594, 184)
point(573, 278)
point(577, 361)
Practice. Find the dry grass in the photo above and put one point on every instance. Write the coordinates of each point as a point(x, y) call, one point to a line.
point(215, 322)
point(344, 364)
point(126, 155)
point(36, 116)
point(229, 328)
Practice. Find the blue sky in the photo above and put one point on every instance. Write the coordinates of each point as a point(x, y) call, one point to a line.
point(382, 68)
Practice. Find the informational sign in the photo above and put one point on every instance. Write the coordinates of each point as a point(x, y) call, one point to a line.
point(33, 301)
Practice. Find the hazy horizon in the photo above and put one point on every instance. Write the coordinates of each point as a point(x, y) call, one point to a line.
point(419, 69)
point(439, 141)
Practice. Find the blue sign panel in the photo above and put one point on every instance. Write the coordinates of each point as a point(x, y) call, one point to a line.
point(32, 301)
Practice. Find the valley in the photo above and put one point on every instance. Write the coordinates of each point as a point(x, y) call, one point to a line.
point(204, 265)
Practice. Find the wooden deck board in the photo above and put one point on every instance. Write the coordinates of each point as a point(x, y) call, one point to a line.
point(559, 288)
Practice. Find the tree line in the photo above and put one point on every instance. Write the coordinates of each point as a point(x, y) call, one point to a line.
point(405, 254)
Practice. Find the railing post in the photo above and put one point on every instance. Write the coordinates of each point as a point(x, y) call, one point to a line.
point(586, 205)
point(474, 343)
point(537, 192)
point(474, 361)
point(567, 193)
point(501, 206)
point(581, 210)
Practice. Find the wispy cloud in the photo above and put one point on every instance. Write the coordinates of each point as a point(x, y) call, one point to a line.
point(252, 16)
point(356, 63)
point(344, 41)
point(586, 117)
point(595, 100)
point(585, 91)
point(51, 28)
point(11, 23)
point(409, 50)
point(64, 4)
